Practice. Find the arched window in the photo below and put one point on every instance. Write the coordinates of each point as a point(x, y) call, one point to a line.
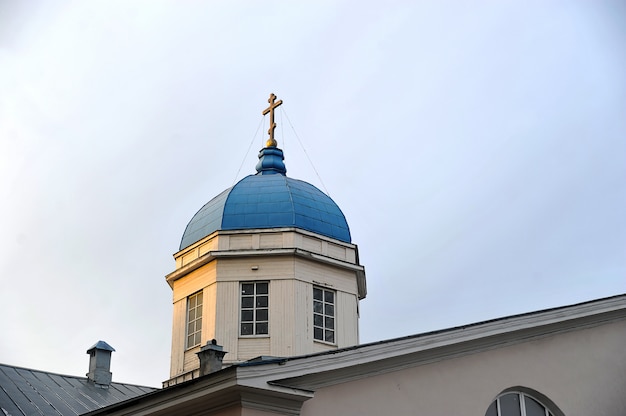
point(517, 403)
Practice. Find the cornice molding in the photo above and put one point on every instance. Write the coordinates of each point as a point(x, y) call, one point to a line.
point(208, 394)
point(262, 231)
point(298, 252)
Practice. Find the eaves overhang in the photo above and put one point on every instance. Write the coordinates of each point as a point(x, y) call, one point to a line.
point(298, 252)
point(211, 393)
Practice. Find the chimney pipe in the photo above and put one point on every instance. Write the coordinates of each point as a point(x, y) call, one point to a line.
point(100, 364)
point(211, 356)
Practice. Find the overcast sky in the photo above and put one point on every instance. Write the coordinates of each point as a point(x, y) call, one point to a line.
point(477, 150)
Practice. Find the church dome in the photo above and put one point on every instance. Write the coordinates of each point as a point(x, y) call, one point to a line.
point(269, 199)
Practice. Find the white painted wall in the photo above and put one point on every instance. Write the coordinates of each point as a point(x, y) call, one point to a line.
point(291, 280)
point(583, 372)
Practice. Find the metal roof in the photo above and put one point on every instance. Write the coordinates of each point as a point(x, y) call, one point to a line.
point(32, 392)
point(268, 201)
point(101, 345)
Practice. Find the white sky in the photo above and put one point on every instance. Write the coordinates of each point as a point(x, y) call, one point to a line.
point(477, 149)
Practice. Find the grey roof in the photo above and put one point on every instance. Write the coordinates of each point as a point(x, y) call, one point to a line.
point(32, 392)
point(101, 345)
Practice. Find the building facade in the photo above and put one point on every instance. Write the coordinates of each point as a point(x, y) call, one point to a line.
point(563, 361)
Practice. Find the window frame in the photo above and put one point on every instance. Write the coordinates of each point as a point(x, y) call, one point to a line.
point(549, 409)
point(324, 315)
point(255, 308)
point(196, 321)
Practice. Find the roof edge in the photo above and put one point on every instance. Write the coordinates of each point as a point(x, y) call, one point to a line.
point(389, 355)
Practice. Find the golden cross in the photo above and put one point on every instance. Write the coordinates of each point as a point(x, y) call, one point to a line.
point(271, 142)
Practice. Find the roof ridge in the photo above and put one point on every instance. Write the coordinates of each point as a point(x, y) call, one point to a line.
point(452, 329)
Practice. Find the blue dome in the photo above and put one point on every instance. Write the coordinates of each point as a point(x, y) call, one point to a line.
point(269, 199)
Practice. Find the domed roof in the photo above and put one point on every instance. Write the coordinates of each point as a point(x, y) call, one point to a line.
point(269, 199)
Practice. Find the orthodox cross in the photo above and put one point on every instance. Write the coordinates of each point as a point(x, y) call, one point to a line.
point(271, 142)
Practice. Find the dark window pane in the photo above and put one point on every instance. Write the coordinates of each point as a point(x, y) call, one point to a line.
point(317, 294)
point(329, 322)
point(246, 329)
point(492, 410)
point(329, 297)
point(262, 288)
point(330, 336)
point(509, 405)
point(261, 301)
point(318, 307)
point(192, 302)
point(191, 315)
point(318, 333)
point(254, 308)
point(190, 341)
point(247, 302)
point(533, 408)
point(261, 328)
point(261, 315)
point(318, 320)
point(329, 310)
point(199, 324)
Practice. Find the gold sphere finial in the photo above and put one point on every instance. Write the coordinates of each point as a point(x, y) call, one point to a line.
point(271, 142)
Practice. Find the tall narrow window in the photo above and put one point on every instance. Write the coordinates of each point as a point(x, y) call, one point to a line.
point(324, 315)
point(194, 319)
point(255, 308)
